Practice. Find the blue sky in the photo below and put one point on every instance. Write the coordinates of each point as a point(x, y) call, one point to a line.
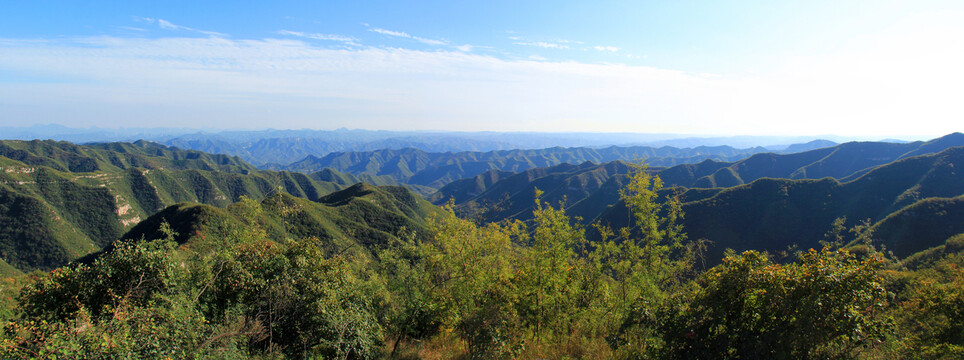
point(882, 68)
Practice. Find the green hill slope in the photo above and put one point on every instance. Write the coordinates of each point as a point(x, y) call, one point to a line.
point(463, 190)
point(844, 162)
point(586, 190)
point(64, 156)
point(838, 162)
point(774, 214)
point(48, 216)
point(359, 217)
point(926, 223)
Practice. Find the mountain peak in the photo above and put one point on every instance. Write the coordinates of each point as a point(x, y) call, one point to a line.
point(341, 197)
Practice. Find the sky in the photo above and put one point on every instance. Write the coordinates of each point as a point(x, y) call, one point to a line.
point(861, 68)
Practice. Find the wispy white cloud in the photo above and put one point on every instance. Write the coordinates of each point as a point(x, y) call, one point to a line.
point(408, 36)
point(131, 28)
point(563, 44)
point(167, 25)
point(164, 24)
point(430, 41)
point(558, 44)
point(543, 44)
point(391, 33)
point(564, 41)
point(328, 37)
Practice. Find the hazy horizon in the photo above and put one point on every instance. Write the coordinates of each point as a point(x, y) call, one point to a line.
point(539, 138)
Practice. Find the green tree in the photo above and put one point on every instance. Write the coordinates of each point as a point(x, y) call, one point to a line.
point(646, 262)
point(131, 302)
point(548, 277)
point(931, 297)
point(470, 282)
point(827, 304)
point(151, 299)
point(306, 304)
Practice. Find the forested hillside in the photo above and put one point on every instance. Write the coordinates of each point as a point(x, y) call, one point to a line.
point(62, 201)
point(359, 218)
point(64, 156)
point(580, 186)
point(503, 193)
point(777, 214)
point(838, 162)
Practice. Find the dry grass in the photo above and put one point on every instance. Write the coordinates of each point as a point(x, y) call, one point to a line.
point(450, 346)
point(576, 347)
point(442, 346)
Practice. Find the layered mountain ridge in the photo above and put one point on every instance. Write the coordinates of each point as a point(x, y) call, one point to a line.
point(60, 201)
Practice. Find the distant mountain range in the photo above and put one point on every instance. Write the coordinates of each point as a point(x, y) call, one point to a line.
point(281, 147)
point(434, 170)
